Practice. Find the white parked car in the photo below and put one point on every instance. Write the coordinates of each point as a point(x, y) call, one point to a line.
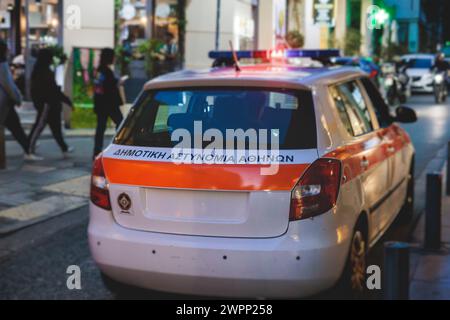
point(201, 221)
point(419, 71)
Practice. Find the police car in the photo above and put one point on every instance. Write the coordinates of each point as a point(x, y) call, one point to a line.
point(185, 200)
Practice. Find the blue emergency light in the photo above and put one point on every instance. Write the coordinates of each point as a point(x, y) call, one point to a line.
point(269, 54)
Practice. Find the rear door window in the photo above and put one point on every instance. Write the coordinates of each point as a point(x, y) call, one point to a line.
point(349, 96)
point(288, 114)
point(379, 105)
point(342, 110)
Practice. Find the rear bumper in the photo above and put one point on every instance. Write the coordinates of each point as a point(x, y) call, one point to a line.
point(308, 259)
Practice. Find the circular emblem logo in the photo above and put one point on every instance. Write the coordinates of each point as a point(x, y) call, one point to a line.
point(124, 202)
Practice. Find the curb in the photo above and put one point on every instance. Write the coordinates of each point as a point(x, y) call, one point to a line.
point(69, 203)
point(437, 164)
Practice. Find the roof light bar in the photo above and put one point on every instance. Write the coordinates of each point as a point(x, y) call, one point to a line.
point(240, 54)
point(268, 54)
point(314, 54)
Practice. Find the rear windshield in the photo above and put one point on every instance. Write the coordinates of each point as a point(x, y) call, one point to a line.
point(158, 116)
point(420, 63)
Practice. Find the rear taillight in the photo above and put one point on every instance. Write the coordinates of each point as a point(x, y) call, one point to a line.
point(373, 74)
point(99, 186)
point(317, 190)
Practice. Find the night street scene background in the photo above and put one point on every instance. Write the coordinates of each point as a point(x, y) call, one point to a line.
point(79, 220)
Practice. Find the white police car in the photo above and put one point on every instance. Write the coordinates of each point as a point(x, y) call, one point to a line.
point(271, 180)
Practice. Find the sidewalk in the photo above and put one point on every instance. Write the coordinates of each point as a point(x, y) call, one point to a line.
point(31, 192)
point(430, 271)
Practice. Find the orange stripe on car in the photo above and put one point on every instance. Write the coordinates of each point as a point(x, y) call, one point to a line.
point(372, 149)
point(203, 177)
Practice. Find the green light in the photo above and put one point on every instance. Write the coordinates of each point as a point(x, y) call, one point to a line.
point(382, 16)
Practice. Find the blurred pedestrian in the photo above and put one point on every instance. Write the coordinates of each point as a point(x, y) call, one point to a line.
point(107, 98)
point(170, 52)
point(47, 98)
point(9, 97)
point(60, 71)
point(440, 64)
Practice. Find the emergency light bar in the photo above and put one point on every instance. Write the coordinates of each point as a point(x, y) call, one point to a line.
point(269, 54)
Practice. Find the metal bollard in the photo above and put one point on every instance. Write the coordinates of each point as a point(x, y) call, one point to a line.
point(448, 169)
point(2, 148)
point(433, 209)
point(396, 271)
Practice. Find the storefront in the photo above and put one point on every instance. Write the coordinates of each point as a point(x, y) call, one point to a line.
point(150, 31)
point(42, 17)
point(182, 32)
point(138, 20)
point(5, 21)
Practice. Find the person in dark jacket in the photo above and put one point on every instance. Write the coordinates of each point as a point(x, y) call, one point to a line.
point(47, 98)
point(107, 98)
point(440, 64)
point(9, 97)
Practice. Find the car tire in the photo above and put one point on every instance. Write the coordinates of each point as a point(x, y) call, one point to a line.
point(352, 284)
point(407, 210)
point(437, 95)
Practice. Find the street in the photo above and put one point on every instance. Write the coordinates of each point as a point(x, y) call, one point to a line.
point(34, 260)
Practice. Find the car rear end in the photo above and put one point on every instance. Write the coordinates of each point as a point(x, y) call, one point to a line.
point(219, 222)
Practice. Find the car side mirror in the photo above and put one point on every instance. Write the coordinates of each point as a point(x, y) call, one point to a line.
point(405, 115)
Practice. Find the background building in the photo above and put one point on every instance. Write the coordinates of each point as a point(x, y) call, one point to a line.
point(43, 27)
point(238, 21)
point(408, 16)
point(85, 27)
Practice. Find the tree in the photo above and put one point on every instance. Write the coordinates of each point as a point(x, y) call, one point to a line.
point(353, 42)
point(295, 39)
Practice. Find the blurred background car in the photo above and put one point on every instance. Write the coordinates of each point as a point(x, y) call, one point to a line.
point(365, 64)
point(419, 70)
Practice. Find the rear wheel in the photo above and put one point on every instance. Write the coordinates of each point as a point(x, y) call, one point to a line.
point(358, 263)
point(440, 94)
point(437, 94)
point(353, 280)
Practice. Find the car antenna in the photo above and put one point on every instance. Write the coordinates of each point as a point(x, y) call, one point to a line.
point(235, 58)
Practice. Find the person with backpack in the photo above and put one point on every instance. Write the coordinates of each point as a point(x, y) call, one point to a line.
point(107, 98)
point(47, 98)
point(9, 97)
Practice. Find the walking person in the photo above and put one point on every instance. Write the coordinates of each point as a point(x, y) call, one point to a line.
point(9, 97)
point(47, 98)
point(170, 53)
point(107, 98)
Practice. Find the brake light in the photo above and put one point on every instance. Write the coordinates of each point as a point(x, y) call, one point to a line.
point(99, 186)
point(373, 73)
point(317, 190)
point(277, 54)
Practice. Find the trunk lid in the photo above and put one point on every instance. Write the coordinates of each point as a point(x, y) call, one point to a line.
point(202, 200)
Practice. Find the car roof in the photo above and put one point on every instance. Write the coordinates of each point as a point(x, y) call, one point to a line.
point(418, 56)
point(261, 75)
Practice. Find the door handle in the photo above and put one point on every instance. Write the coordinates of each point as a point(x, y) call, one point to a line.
point(365, 163)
